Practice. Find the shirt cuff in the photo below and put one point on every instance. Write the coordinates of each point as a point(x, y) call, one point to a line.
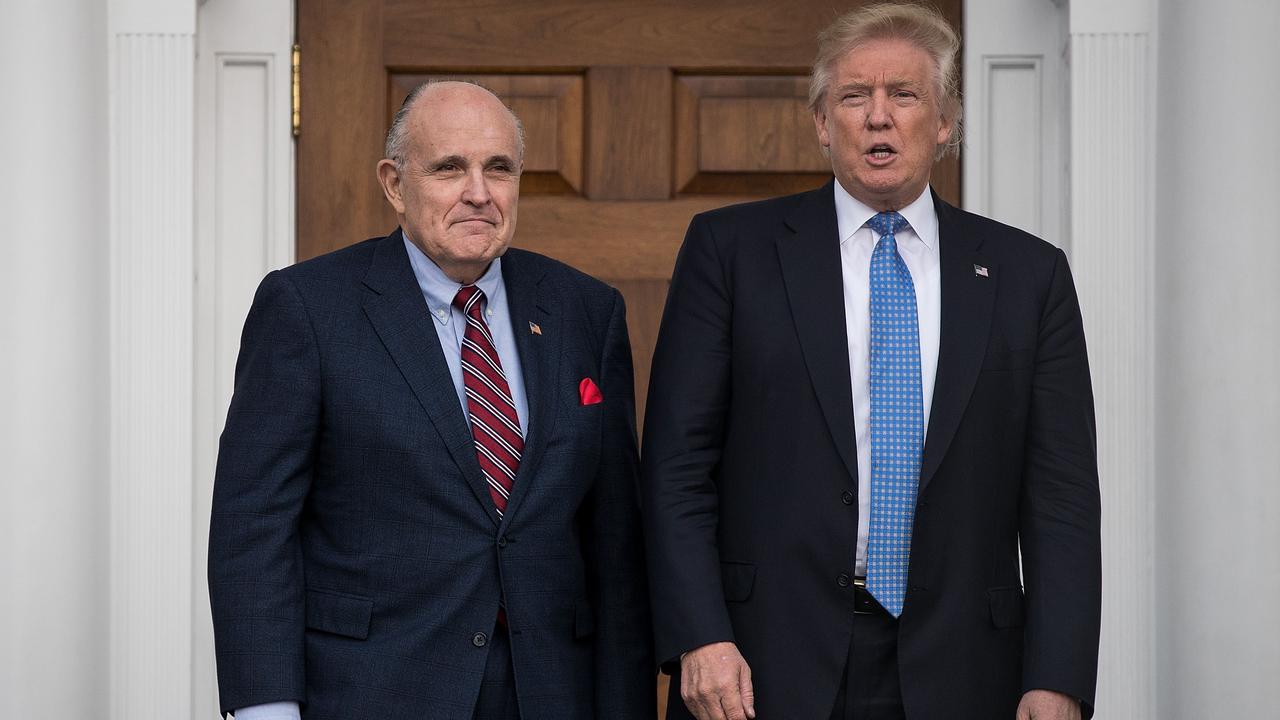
point(269, 711)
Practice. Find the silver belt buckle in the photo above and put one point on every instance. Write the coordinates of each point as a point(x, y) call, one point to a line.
point(863, 603)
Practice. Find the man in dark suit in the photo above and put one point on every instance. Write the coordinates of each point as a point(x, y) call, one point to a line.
point(426, 501)
point(864, 403)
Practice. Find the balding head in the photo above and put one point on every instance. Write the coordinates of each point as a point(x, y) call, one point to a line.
point(435, 95)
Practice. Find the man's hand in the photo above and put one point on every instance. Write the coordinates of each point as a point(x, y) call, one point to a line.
point(715, 683)
point(1048, 705)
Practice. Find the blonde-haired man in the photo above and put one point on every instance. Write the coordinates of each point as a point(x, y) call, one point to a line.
point(864, 402)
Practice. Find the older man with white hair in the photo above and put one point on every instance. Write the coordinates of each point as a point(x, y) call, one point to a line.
point(425, 504)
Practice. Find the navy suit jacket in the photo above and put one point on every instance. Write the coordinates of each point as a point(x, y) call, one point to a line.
point(356, 560)
point(750, 468)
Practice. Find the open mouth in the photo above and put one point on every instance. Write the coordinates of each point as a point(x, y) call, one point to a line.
point(881, 151)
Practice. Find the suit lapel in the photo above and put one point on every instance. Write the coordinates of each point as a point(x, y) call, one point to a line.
point(400, 316)
point(967, 303)
point(528, 301)
point(810, 260)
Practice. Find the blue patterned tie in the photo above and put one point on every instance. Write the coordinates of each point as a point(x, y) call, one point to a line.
point(897, 416)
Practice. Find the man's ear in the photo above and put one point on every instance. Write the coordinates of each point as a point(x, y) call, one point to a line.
point(389, 179)
point(946, 126)
point(820, 124)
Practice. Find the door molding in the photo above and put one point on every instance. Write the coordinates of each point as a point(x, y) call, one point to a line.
point(244, 228)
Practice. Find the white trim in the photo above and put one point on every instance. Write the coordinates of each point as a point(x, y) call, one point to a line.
point(1015, 115)
point(1029, 185)
point(1113, 258)
point(151, 151)
point(244, 228)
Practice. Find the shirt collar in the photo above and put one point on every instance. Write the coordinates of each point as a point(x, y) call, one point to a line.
point(852, 214)
point(439, 290)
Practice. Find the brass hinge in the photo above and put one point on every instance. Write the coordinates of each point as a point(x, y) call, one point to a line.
point(297, 90)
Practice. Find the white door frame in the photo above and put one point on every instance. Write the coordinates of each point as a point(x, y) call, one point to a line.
point(244, 229)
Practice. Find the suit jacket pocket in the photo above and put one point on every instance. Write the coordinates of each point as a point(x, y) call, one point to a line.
point(584, 619)
point(1006, 607)
point(738, 580)
point(1009, 360)
point(339, 614)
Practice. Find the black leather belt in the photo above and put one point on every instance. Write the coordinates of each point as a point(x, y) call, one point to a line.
point(863, 603)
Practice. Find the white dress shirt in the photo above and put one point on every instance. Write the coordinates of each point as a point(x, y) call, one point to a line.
point(450, 324)
point(918, 246)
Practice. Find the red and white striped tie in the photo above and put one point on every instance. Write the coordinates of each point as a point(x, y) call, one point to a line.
point(495, 425)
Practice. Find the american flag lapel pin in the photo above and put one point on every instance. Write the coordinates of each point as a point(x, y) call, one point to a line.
point(981, 271)
point(535, 328)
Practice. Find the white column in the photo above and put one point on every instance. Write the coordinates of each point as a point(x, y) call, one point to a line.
point(53, 359)
point(152, 55)
point(1218, 381)
point(1112, 255)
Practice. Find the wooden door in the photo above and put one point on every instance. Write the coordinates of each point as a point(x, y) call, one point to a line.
point(637, 116)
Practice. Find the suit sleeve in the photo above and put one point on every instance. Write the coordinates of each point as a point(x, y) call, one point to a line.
point(615, 552)
point(1061, 508)
point(684, 432)
point(262, 480)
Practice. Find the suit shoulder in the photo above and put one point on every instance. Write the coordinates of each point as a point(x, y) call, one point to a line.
point(566, 277)
point(757, 212)
point(330, 281)
point(997, 236)
point(1002, 241)
point(596, 300)
point(343, 261)
point(745, 229)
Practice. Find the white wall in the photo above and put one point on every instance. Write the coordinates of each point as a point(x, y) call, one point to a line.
point(1218, 379)
point(53, 358)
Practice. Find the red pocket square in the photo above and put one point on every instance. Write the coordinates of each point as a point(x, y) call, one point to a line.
point(588, 393)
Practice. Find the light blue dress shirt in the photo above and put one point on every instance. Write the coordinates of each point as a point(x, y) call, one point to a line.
point(451, 326)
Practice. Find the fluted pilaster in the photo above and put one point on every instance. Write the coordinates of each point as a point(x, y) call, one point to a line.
point(152, 289)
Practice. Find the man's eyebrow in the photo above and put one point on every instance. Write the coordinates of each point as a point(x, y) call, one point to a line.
point(447, 160)
point(868, 84)
point(500, 160)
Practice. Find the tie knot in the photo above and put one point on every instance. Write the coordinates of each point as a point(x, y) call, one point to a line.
point(469, 296)
point(887, 223)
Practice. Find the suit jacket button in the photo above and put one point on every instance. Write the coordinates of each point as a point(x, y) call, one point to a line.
point(502, 541)
point(479, 639)
point(846, 497)
point(842, 580)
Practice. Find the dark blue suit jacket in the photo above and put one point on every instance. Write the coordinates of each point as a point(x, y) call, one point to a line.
point(750, 468)
point(356, 561)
